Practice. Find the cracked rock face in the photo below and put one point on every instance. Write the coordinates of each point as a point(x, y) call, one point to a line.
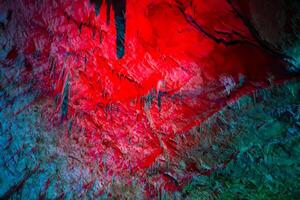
point(111, 95)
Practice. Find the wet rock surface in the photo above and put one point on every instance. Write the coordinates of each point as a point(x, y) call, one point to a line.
point(147, 99)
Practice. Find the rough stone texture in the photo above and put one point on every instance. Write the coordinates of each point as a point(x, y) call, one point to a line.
point(149, 99)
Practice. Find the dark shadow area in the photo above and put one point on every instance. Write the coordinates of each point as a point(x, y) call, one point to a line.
point(119, 7)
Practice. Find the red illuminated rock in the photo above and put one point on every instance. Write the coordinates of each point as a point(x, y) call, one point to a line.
point(183, 61)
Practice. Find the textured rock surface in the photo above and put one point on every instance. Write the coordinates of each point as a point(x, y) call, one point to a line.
point(141, 99)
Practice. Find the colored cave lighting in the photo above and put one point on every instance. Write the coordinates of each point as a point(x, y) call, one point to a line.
point(125, 80)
